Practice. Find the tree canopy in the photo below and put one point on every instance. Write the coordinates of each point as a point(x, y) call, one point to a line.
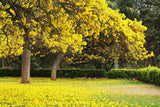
point(116, 31)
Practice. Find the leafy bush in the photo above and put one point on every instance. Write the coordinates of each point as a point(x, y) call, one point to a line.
point(149, 75)
point(46, 72)
point(10, 72)
point(122, 73)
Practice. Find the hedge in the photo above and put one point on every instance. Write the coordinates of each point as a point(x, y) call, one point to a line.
point(10, 72)
point(62, 73)
point(148, 75)
point(122, 73)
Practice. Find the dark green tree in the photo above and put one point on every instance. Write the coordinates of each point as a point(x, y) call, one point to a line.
point(150, 15)
point(125, 6)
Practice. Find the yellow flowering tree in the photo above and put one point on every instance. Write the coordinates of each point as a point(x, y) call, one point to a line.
point(66, 24)
point(19, 30)
point(118, 37)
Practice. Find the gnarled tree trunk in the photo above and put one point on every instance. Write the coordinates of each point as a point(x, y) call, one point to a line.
point(25, 74)
point(55, 66)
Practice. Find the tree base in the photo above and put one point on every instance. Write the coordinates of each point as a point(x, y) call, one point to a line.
point(25, 82)
point(53, 79)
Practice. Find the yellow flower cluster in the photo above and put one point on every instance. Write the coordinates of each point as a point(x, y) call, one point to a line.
point(10, 40)
point(43, 92)
point(71, 23)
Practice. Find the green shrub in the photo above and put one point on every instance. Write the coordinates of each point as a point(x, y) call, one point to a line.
point(46, 72)
point(10, 72)
point(76, 72)
point(149, 75)
point(122, 73)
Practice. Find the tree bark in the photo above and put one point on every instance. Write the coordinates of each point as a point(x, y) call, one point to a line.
point(3, 65)
point(116, 63)
point(55, 66)
point(25, 76)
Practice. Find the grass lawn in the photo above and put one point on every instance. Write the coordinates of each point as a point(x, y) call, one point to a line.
point(43, 92)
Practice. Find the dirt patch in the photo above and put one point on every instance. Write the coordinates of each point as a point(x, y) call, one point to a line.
point(149, 90)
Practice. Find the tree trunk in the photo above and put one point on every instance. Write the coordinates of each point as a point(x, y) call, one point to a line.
point(25, 76)
point(26, 57)
point(116, 64)
point(3, 65)
point(123, 63)
point(55, 66)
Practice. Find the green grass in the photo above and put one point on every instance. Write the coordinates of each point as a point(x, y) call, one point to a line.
point(78, 93)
